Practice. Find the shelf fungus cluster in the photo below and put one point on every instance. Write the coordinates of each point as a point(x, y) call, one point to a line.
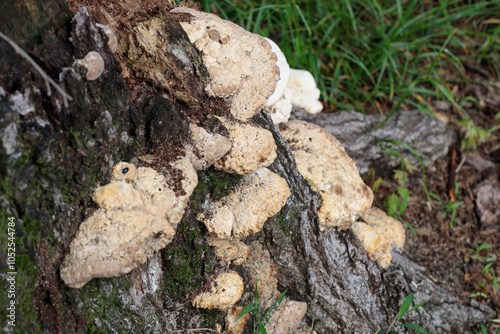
point(263, 275)
point(138, 215)
point(252, 147)
point(378, 234)
point(257, 197)
point(300, 91)
point(224, 292)
point(140, 208)
point(229, 251)
point(322, 161)
point(243, 67)
point(286, 317)
point(206, 148)
point(303, 91)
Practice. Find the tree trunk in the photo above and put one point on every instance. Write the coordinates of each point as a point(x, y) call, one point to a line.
point(52, 158)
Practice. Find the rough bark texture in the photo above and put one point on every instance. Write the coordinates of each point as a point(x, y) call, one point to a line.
point(53, 157)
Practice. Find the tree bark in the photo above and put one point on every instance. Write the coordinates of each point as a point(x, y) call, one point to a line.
point(52, 158)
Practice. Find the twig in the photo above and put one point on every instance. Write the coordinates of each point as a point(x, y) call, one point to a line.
point(48, 80)
point(392, 323)
point(451, 173)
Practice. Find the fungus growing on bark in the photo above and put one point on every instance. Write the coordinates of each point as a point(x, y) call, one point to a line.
point(262, 271)
point(117, 195)
point(378, 234)
point(139, 211)
point(94, 64)
point(236, 326)
point(251, 147)
point(389, 228)
point(242, 65)
point(286, 317)
point(207, 147)
point(374, 244)
point(230, 251)
point(303, 91)
point(284, 74)
point(112, 41)
point(124, 171)
point(281, 110)
point(224, 292)
point(112, 243)
point(322, 161)
point(257, 197)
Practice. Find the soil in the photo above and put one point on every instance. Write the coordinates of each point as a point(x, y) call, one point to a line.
point(446, 246)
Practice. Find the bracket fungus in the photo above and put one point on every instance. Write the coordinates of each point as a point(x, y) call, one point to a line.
point(206, 147)
point(236, 326)
point(252, 147)
point(374, 244)
point(281, 110)
point(224, 292)
point(112, 243)
point(230, 251)
point(284, 73)
point(112, 40)
point(391, 229)
point(322, 161)
point(262, 271)
point(303, 91)
point(242, 65)
point(257, 197)
point(138, 214)
point(378, 234)
point(286, 317)
point(94, 64)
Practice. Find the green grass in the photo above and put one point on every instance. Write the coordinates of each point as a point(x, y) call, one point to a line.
point(376, 55)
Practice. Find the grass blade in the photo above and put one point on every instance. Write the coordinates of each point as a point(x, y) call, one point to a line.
point(276, 303)
point(247, 309)
point(418, 328)
point(405, 305)
point(262, 329)
point(416, 307)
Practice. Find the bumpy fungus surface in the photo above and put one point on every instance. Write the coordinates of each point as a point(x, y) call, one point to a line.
point(303, 91)
point(379, 234)
point(262, 271)
point(241, 64)
point(225, 291)
point(251, 147)
point(207, 147)
point(257, 197)
point(236, 326)
point(230, 251)
point(113, 242)
point(322, 160)
point(94, 64)
point(286, 317)
point(112, 40)
point(374, 244)
point(389, 228)
point(281, 110)
point(138, 214)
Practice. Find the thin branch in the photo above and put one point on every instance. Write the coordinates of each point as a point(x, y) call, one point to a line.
point(48, 80)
